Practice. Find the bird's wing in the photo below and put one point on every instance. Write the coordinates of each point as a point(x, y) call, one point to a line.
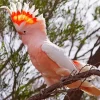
point(58, 55)
point(82, 66)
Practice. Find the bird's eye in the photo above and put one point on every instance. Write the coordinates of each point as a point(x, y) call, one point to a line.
point(24, 32)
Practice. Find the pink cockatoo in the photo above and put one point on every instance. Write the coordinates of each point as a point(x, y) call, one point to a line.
point(49, 59)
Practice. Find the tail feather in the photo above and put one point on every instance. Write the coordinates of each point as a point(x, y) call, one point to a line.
point(86, 87)
point(91, 90)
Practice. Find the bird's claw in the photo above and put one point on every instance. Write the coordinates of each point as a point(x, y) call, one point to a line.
point(42, 91)
point(63, 78)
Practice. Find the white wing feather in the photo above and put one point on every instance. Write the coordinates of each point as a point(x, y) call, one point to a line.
point(58, 55)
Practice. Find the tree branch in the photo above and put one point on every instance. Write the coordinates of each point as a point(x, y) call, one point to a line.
point(8, 60)
point(68, 80)
point(81, 44)
point(95, 59)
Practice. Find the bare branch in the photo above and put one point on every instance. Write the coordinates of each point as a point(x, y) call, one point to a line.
point(81, 44)
point(8, 60)
point(95, 59)
point(68, 80)
point(91, 50)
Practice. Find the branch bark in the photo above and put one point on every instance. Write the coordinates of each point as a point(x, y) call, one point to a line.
point(95, 59)
point(68, 80)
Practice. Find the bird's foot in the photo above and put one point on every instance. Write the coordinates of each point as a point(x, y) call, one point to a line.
point(63, 79)
point(42, 91)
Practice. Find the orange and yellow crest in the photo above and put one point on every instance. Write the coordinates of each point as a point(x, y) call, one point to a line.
point(21, 14)
point(20, 17)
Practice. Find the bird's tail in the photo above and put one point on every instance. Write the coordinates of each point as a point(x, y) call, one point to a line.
point(86, 87)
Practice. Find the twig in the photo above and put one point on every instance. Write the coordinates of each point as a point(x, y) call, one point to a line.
point(48, 91)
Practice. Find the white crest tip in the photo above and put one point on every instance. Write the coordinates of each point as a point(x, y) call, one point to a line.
point(19, 6)
point(36, 12)
point(5, 7)
point(13, 6)
point(26, 7)
point(40, 16)
point(31, 10)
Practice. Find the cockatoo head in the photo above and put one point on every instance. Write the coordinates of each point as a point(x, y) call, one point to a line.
point(25, 19)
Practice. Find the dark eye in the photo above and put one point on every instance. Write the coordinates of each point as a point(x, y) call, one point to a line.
point(24, 32)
